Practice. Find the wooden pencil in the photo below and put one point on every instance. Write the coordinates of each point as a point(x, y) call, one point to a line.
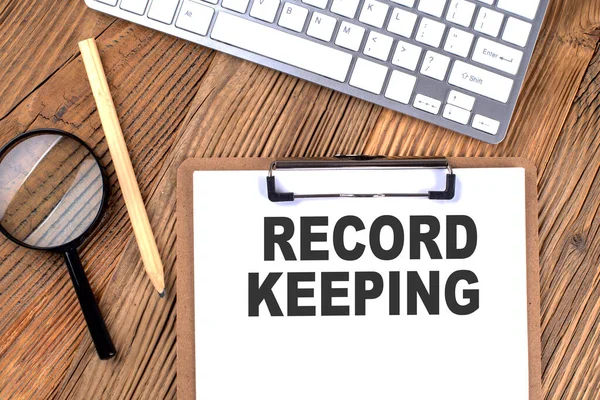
point(123, 167)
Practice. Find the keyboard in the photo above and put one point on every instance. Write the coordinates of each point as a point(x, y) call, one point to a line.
point(455, 63)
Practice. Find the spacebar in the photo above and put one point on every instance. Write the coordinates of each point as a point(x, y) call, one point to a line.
point(281, 46)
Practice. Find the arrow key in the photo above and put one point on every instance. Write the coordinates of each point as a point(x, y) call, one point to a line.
point(456, 114)
point(461, 100)
point(427, 104)
point(485, 124)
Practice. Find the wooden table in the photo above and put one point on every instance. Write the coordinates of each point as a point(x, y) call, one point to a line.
point(177, 100)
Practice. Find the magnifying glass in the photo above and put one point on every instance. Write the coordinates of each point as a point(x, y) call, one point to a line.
point(53, 193)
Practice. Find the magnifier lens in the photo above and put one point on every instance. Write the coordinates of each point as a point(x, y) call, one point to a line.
point(51, 195)
point(51, 190)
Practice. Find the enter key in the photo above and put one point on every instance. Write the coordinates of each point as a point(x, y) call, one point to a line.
point(497, 56)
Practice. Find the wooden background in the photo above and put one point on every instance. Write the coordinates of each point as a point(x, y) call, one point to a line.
point(177, 100)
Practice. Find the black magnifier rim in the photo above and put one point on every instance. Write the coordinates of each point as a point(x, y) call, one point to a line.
point(75, 243)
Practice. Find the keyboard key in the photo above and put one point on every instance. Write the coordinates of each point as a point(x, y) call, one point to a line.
point(480, 81)
point(134, 6)
point(400, 87)
point(368, 76)
point(516, 32)
point(349, 36)
point(346, 8)
point(281, 46)
point(317, 3)
point(524, 8)
point(488, 22)
point(461, 12)
point(485, 124)
point(109, 2)
point(458, 42)
point(432, 7)
point(265, 10)
point(461, 100)
point(163, 10)
point(321, 26)
point(402, 22)
point(378, 46)
point(456, 114)
point(293, 17)
point(406, 55)
point(490, 2)
point(236, 5)
point(497, 56)
point(430, 32)
point(405, 3)
point(195, 17)
point(373, 13)
point(428, 104)
point(435, 65)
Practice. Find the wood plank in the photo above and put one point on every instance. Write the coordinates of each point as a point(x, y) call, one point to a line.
point(49, 30)
point(36, 290)
point(570, 250)
point(177, 100)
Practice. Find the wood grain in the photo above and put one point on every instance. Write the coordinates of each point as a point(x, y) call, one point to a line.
point(176, 100)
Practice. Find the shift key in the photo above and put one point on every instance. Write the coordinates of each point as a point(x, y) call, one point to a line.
point(480, 81)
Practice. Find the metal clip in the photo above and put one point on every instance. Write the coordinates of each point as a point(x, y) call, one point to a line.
point(362, 162)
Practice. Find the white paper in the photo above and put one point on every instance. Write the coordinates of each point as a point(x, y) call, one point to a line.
point(483, 355)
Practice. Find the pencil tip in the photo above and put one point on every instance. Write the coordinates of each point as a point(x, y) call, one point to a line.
point(162, 294)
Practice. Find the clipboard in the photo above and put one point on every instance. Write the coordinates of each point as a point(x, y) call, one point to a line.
point(186, 386)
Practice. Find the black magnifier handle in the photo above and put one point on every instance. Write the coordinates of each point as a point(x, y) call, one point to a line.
point(91, 312)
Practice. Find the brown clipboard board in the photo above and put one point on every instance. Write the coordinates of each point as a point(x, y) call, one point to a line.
point(186, 375)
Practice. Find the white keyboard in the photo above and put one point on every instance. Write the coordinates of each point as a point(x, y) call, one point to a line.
point(455, 63)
